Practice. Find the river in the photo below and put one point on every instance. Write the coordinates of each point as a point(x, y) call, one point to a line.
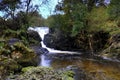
point(98, 69)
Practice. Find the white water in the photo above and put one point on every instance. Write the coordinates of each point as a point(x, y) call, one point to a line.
point(44, 61)
point(42, 32)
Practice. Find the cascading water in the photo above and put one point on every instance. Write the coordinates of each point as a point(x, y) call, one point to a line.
point(103, 70)
point(42, 32)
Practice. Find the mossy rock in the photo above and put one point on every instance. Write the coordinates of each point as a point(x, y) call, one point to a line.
point(14, 57)
point(43, 73)
point(33, 37)
point(8, 66)
point(24, 56)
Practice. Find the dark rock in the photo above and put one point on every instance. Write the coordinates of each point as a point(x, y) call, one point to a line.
point(62, 56)
point(13, 41)
point(49, 40)
point(39, 50)
point(44, 50)
point(33, 36)
point(59, 42)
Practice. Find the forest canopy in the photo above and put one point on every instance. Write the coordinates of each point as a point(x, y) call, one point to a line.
point(89, 15)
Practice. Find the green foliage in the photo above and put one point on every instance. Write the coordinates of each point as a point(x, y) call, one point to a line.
point(79, 14)
point(44, 73)
point(97, 19)
point(4, 50)
point(100, 19)
point(1, 44)
point(73, 19)
point(111, 27)
point(21, 47)
point(58, 22)
point(75, 16)
point(18, 16)
point(114, 9)
point(55, 21)
point(114, 14)
point(68, 75)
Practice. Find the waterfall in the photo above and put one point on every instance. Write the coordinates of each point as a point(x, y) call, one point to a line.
point(44, 61)
point(42, 32)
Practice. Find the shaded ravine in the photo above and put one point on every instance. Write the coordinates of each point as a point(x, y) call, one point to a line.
point(97, 70)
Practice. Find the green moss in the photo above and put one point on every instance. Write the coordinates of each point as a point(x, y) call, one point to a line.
point(9, 65)
point(26, 69)
point(21, 47)
point(44, 73)
point(68, 75)
point(27, 56)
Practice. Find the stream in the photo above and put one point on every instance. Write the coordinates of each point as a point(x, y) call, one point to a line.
point(98, 69)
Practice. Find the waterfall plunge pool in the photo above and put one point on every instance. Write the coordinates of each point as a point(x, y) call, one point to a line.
point(101, 70)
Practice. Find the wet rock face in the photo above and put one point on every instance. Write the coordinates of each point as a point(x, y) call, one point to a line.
point(63, 56)
point(44, 51)
point(33, 36)
point(39, 50)
point(60, 42)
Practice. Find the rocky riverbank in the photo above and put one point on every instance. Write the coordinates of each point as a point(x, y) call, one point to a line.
point(15, 54)
point(97, 44)
point(14, 57)
point(43, 73)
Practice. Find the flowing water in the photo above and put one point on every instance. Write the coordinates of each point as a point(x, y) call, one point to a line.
point(99, 70)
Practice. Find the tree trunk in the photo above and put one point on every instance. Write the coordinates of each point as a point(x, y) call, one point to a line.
point(91, 43)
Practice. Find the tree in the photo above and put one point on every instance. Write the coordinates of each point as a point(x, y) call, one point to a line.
point(30, 10)
point(114, 9)
point(97, 19)
point(75, 12)
point(13, 9)
point(9, 7)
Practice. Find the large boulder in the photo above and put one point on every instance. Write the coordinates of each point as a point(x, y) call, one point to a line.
point(39, 50)
point(33, 37)
point(60, 42)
